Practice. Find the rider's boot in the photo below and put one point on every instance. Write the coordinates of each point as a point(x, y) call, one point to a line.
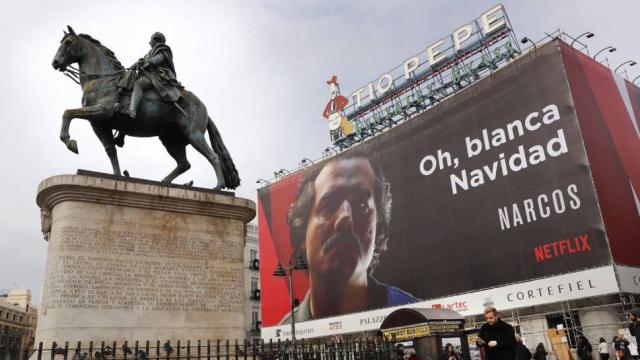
point(136, 97)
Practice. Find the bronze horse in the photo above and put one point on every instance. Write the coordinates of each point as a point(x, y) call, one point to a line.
point(99, 72)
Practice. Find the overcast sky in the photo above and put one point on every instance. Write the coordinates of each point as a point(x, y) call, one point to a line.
point(259, 66)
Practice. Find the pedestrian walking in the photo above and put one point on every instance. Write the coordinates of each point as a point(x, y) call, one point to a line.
point(540, 353)
point(521, 351)
point(584, 348)
point(620, 343)
point(603, 349)
point(623, 352)
point(399, 352)
point(496, 337)
point(634, 323)
point(410, 354)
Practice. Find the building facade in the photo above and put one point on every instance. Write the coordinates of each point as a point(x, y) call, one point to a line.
point(252, 282)
point(18, 320)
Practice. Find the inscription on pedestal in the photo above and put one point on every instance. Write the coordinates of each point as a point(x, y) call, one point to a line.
point(130, 260)
point(144, 271)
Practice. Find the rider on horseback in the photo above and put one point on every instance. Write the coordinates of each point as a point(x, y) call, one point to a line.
point(154, 71)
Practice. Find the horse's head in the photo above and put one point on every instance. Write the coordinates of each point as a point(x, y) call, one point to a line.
point(70, 51)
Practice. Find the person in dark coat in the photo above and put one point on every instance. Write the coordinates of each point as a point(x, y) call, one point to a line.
point(496, 337)
point(399, 352)
point(584, 348)
point(522, 353)
point(623, 352)
point(634, 324)
point(620, 341)
point(540, 353)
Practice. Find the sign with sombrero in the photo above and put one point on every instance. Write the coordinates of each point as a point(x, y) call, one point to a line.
point(333, 111)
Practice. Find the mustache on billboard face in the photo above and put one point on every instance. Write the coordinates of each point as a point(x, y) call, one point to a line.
point(341, 237)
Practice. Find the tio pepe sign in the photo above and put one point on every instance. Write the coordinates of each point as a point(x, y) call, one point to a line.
point(446, 66)
point(436, 53)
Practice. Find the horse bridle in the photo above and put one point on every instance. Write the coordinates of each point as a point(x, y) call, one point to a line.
point(74, 74)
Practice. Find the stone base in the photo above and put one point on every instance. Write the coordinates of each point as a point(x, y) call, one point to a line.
point(138, 260)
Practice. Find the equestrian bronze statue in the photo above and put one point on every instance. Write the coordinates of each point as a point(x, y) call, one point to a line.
point(144, 100)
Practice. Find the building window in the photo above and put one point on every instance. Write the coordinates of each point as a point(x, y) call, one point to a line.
point(255, 316)
point(254, 285)
point(253, 254)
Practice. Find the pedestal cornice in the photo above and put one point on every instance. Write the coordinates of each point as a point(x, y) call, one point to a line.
point(110, 190)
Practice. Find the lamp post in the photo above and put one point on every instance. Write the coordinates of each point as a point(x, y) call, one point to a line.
point(588, 34)
point(281, 172)
point(328, 151)
point(526, 40)
point(634, 80)
point(305, 161)
point(630, 62)
point(610, 48)
point(262, 182)
point(300, 264)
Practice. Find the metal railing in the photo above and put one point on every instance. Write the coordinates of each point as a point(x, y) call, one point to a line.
point(210, 350)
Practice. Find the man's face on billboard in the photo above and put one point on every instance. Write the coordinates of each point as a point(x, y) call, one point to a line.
point(341, 229)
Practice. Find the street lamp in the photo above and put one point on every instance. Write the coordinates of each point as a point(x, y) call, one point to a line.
point(306, 161)
point(610, 48)
point(526, 40)
point(280, 271)
point(262, 182)
point(328, 150)
point(281, 172)
point(588, 34)
point(630, 62)
point(634, 80)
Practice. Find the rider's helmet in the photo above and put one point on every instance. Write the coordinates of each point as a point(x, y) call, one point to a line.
point(159, 37)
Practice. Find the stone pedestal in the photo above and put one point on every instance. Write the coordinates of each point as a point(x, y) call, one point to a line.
point(138, 260)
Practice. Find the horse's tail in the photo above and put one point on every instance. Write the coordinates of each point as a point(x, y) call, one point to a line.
point(231, 177)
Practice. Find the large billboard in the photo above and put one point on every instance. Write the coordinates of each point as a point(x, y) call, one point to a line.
point(490, 187)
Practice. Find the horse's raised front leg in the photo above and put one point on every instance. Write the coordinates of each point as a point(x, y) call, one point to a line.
point(88, 113)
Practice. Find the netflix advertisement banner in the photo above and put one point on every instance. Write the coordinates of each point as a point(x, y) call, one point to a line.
point(491, 187)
